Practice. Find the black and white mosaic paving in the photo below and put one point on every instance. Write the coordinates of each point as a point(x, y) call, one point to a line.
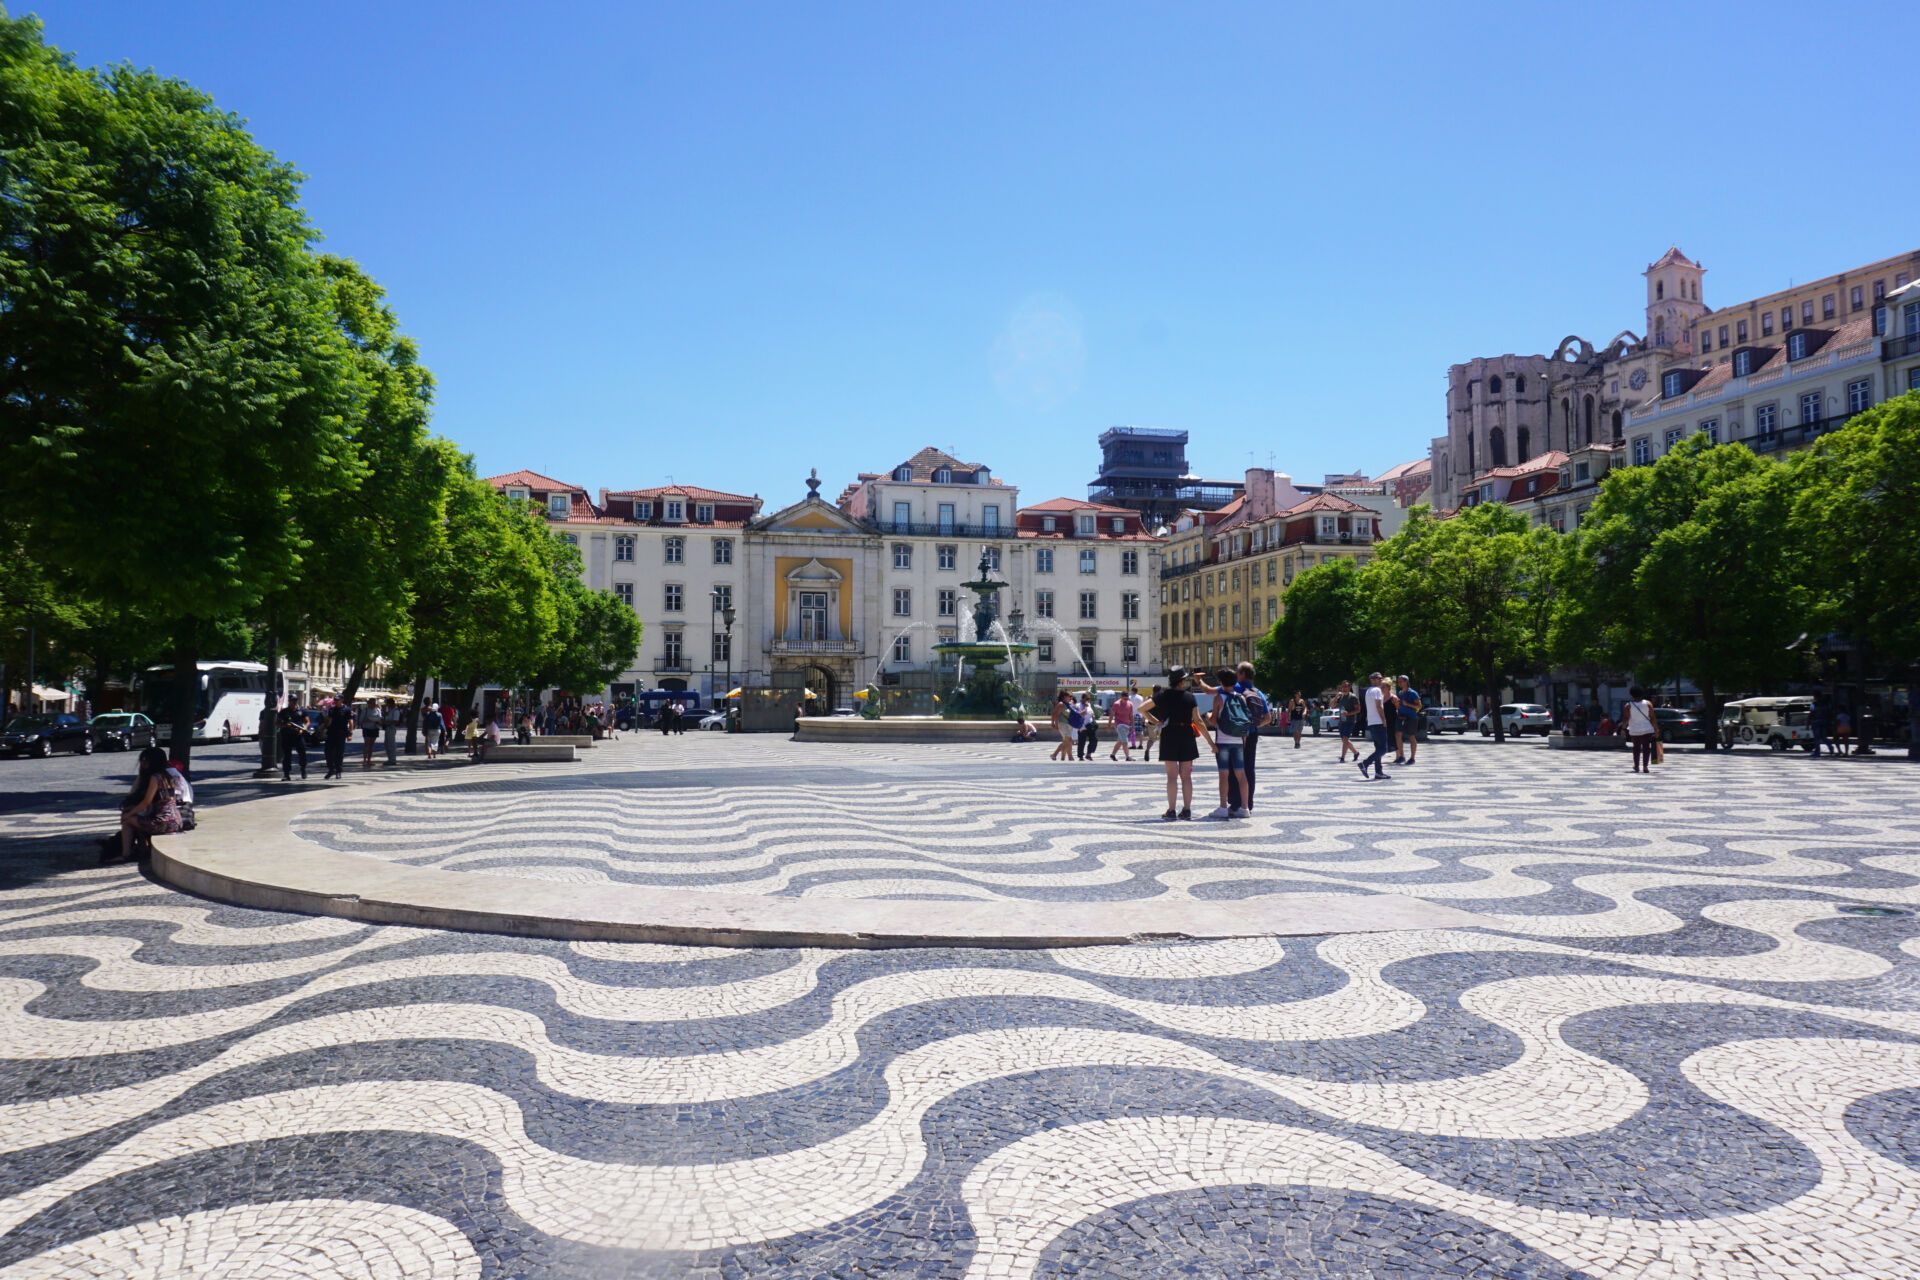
point(1675, 1052)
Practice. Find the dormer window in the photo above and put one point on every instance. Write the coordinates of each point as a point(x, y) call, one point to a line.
point(517, 491)
point(943, 475)
point(903, 472)
point(558, 506)
point(1797, 346)
point(1047, 524)
point(676, 510)
point(643, 511)
point(1742, 363)
point(1671, 385)
point(703, 513)
point(982, 476)
point(1083, 525)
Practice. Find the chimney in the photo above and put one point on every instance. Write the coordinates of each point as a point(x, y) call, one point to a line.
point(1259, 493)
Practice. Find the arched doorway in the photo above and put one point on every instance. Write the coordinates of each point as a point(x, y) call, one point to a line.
point(826, 688)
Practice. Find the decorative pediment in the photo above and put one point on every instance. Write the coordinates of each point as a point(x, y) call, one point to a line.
point(809, 515)
point(813, 573)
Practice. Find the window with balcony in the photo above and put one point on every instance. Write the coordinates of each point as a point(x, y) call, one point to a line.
point(1043, 560)
point(1859, 395)
point(1089, 561)
point(559, 506)
point(623, 592)
point(1786, 317)
point(903, 602)
point(902, 516)
point(1087, 650)
point(948, 600)
point(1740, 331)
point(1706, 341)
point(1129, 562)
point(1856, 298)
point(990, 518)
point(947, 556)
point(903, 555)
point(623, 548)
point(673, 594)
point(723, 550)
point(1806, 312)
point(674, 549)
point(1766, 420)
point(946, 517)
point(1089, 605)
point(670, 651)
point(1810, 405)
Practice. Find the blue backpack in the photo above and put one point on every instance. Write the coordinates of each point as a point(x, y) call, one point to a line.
point(1235, 718)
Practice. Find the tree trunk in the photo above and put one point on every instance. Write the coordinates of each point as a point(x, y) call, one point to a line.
point(1862, 722)
point(413, 715)
point(269, 718)
point(463, 704)
point(186, 688)
point(1487, 680)
point(354, 672)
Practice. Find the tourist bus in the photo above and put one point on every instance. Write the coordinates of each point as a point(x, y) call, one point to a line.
point(232, 693)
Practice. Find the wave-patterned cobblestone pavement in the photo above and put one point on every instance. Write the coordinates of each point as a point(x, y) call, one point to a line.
point(1681, 1050)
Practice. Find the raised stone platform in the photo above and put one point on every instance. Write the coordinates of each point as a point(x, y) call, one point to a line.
point(539, 752)
point(901, 729)
point(1586, 742)
point(563, 739)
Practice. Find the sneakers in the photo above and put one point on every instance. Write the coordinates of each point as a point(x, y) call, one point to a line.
point(1220, 815)
point(1186, 815)
point(1380, 775)
point(1167, 816)
point(1237, 813)
point(1363, 768)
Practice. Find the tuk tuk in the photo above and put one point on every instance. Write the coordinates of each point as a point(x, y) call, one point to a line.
point(1778, 723)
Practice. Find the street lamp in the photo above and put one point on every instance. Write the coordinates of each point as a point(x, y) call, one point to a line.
point(1126, 644)
point(726, 615)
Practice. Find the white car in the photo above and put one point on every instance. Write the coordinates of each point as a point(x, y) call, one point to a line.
point(715, 720)
point(1329, 722)
point(1519, 718)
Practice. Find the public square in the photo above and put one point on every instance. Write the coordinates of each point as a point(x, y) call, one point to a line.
point(1681, 1036)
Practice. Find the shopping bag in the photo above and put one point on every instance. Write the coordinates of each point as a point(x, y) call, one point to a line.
point(1659, 752)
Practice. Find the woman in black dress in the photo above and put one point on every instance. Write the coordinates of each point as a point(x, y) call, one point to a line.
point(1181, 729)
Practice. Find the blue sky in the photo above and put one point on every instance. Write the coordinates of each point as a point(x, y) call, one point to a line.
point(729, 243)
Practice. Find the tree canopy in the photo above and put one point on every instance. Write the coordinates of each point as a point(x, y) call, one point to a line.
point(1325, 634)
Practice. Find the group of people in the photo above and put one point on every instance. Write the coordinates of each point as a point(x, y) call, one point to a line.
point(1386, 716)
point(1077, 722)
point(331, 723)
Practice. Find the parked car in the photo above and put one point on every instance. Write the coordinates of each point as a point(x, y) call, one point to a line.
point(123, 731)
point(1778, 722)
point(716, 720)
point(44, 735)
point(1445, 720)
point(1329, 722)
point(1677, 724)
point(1519, 718)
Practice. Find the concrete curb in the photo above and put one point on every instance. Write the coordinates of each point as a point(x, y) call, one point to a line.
point(248, 855)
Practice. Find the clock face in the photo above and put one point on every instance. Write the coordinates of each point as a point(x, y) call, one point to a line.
point(1638, 380)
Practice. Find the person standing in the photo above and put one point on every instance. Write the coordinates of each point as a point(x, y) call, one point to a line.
point(430, 730)
point(1297, 709)
point(1231, 720)
point(1410, 705)
point(1818, 720)
point(1089, 725)
point(1150, 730)
point(1058, 723)
point(1579, 719)
point(1181, 729)
point(291, 725)
point(1122, 728)
point(369, 731)
point(1376, 714)
point(1240, 796)
point(1349, 707)
point(339, 729)
point(390, 727)
point(1643, 728)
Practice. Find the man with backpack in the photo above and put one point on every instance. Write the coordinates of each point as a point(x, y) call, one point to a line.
point(1239, 797)
point(1233, 721)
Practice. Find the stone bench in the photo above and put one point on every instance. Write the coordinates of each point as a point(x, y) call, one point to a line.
point(562, 739)
point(540, 752)
point(1586, 742)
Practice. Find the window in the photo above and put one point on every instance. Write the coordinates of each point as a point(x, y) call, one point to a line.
point(1879, 319)
point(559, 506)
point(1740, 331)
point(1118, 524)
point(1826, 307)
point(1048, 524)
point(1671, 385)
point(1086, 650)
point(623, 548)
point(1329, 526)
point(1706, 340)
point(1130, 650)
point(643, 511)
point(1859, 396)
point(902, 516)
point(671, 651)
point(517, 491)
point(723, 550)
point(722, 647)
point(1856, 298)
point(1236, 579)
point(1672, 437)
point(903, 472)
point(948, 598)
point(1130, 605)
point(1642, 451)
point(1879, 290)
point(1742, 363)
point(993, 559)
point(623, 592)
point(1089, 561)
point(1089, 605)
point(943, 475)
point(1045, 652)
point(1910, 319)
point(903, 555)
point(1043, 560)
point(1766, 323)
point(1493, 384)
point(1723, 335)
point(571, 539)
point(1582, 472)
point(1806, 312)
point(723, 596)
point(675, 550)
point(903, 647)
point(1043, 604)
point(1796, 346)
point(673, 593)
point(1786, 317)
point(1766, 418)
point(1236, 615)
point(1129, 561)
point(903, 602)
point(1810, 406)
point(947, 556)
point(1272, 572)
point(990, 518)
point(946, 517)
point(1913, 378)
point(676, 510)
point(703, 513)
point(1083, 525)
point(1710, 428)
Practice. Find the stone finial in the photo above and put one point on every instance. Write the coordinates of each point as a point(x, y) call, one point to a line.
point(813, 482)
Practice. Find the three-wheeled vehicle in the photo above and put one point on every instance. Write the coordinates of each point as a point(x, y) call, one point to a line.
point(1775, 722)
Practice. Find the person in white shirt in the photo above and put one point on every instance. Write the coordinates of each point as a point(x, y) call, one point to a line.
point(1643, 730)
point(1376, 728)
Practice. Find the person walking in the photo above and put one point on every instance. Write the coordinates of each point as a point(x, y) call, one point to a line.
point(1181, 729)
point(1297, 710)
point(1410, 706)
point(430, 730)
point(473, 738)
point(1089, 726)
point(369, 731)
point(1818, 720)
point(1643, 730)
point(339, 729)
point(1062, 713)
point(291, 724)
point(1376, 714)
point(1122, 714)
point(1349, 707)
point(1151, 728)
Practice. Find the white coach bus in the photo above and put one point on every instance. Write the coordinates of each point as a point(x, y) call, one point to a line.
point(232, 693)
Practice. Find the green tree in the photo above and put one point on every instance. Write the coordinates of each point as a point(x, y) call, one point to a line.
point(1325, 632)
point(1690, 564)
point(1466, 598)
point(595, 639)
point(169, 343)
point(1856, 512)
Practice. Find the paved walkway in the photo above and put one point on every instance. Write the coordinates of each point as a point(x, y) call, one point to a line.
point(1678, 1047)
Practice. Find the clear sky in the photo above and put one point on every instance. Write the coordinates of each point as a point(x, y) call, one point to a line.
point(727, 243)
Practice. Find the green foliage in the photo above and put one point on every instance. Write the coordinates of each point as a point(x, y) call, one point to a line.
point(1324, 635)
point(1466, 599)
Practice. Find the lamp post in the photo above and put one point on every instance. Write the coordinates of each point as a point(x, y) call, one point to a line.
point(724, 615)
point(1126, 646)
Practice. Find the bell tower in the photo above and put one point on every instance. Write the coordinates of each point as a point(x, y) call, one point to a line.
point(1674, 302)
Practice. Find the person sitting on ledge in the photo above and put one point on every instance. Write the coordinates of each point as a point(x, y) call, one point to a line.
point(1022, 731)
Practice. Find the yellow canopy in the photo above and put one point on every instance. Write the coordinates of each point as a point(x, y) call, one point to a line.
point(733, 693)
point(809, 693)
point(860, 694)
